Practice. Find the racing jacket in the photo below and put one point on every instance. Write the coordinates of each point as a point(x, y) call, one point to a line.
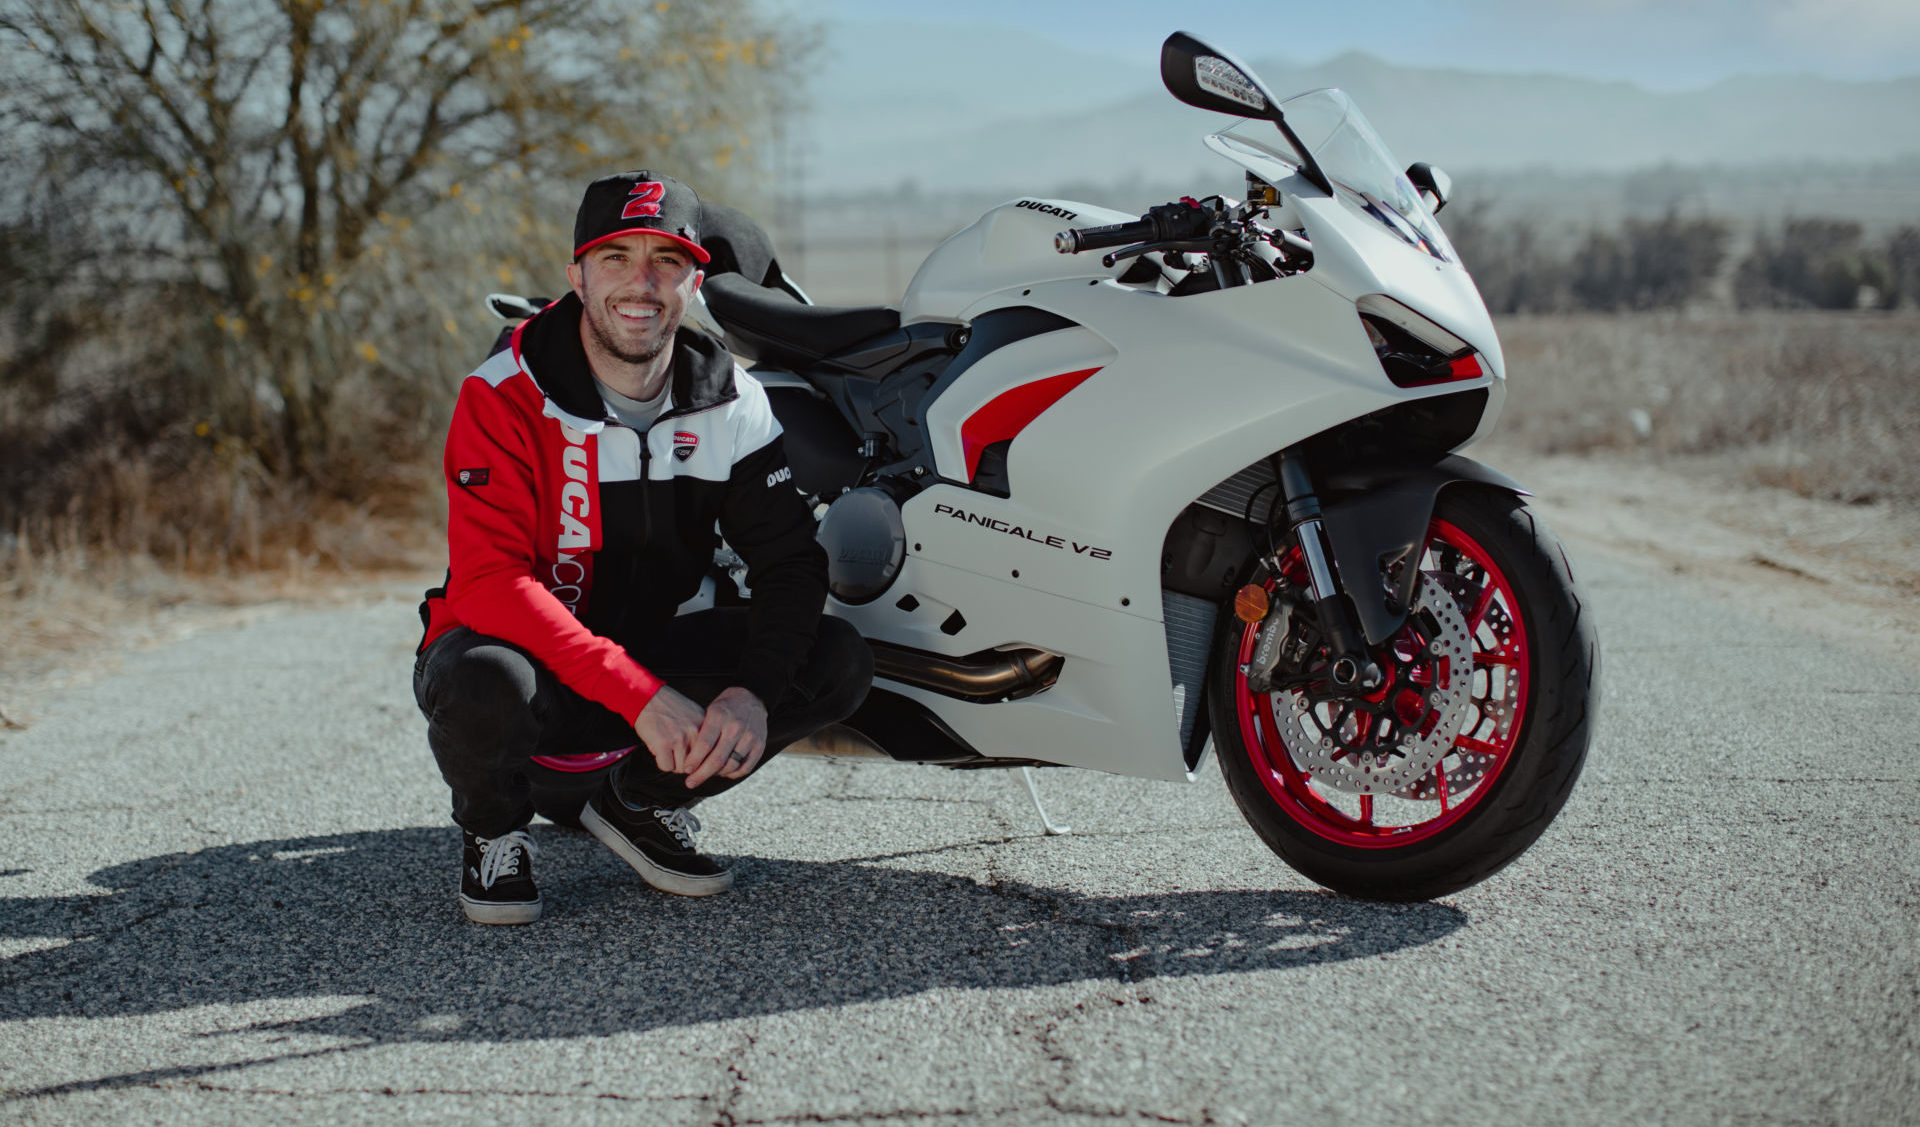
point(567, 529)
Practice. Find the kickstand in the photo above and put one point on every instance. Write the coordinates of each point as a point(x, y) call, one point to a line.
point(1033, 790)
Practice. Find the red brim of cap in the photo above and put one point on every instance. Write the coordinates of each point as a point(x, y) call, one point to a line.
point(698, 252)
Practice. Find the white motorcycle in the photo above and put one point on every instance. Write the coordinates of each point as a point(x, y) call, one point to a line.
point(1197, 494)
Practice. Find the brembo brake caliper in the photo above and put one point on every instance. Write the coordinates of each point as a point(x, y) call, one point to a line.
point(1276, 622)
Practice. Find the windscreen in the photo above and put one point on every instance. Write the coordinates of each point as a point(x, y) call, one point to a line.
point(1365, 175)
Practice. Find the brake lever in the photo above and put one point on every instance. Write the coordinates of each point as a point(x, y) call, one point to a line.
point(1138, 249)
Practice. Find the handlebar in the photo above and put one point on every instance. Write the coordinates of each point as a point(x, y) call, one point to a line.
point(1169, 221)
point(1098, 238)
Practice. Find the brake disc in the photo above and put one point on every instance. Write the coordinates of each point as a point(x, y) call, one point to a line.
point(1492, 718)
point(1397, 761)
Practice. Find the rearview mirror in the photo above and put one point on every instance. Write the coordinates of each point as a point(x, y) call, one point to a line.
point(1204, 76)
point(1434, 185)
point(1201, 76)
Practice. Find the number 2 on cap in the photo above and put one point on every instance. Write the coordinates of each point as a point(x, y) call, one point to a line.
point(646, 200)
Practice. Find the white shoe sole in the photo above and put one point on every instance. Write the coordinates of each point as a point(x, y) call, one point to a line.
point(495, 912)
point(666, 880)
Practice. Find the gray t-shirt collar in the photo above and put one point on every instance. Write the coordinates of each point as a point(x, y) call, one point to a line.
point(633, 412)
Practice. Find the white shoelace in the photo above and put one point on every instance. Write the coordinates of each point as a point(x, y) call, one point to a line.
point(681, 823)
point(500, 856)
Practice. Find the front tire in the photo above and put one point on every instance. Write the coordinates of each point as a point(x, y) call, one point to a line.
point(1517, 744)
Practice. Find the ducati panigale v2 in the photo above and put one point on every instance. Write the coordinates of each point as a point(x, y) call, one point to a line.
point(1196, 494)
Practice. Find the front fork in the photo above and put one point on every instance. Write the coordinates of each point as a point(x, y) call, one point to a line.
point(1350, 668)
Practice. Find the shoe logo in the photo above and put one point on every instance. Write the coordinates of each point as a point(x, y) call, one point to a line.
point(684, 444)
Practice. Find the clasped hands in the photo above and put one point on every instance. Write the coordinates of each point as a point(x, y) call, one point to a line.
point(727, 738)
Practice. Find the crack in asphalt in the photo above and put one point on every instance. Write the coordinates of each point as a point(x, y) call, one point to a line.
point(1018, 838)
point(389, 1090)
point(887, 1116)
point(926, 798)
point(1640, 782)
point(158, 1077)
point(1066, 1108)
point(730, 1099)
point(196, 827)
point(8, 811)
point(1121, 937)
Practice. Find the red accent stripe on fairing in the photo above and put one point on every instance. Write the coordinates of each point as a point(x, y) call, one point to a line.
point(1007, 414)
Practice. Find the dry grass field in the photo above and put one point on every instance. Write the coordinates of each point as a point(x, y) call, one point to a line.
point(1826, 405)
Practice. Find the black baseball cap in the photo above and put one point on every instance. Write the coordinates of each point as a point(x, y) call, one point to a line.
point(631, 203)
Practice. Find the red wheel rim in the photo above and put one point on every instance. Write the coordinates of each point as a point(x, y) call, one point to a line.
point(1480, 751)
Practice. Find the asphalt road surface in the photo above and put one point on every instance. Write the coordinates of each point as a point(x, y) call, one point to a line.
point(227, 895)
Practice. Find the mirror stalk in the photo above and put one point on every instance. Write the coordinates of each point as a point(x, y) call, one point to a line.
point(1203, 76)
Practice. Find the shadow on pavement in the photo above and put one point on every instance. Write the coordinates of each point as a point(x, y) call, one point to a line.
point(374, 915)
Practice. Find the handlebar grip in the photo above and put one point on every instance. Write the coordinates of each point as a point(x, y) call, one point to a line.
point(1097, 238)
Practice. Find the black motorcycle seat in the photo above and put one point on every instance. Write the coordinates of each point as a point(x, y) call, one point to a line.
point(770, 326)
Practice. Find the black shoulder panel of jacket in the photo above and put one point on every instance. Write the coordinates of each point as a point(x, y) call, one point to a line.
point(767, 522)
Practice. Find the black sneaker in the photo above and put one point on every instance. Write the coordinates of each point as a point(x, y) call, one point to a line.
point(496, 879)
point(658, 842)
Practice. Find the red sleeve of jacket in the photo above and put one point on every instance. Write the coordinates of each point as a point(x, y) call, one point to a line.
point(491, 536)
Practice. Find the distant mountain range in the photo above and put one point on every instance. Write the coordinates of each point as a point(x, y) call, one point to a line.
point(899, 103)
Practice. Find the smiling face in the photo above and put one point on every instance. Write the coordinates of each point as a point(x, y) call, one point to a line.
point(634, 289)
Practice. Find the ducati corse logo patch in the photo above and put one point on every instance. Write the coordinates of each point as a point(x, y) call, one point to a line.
point(684, 444)
point(471, 478)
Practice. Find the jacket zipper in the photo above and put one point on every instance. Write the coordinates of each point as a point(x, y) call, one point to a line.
point(646, 491)
point(646, 479)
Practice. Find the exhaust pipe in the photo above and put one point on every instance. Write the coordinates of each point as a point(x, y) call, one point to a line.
point(837, 741)
point(991, 675)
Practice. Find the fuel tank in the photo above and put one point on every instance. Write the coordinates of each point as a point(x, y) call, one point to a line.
point(1011, 244)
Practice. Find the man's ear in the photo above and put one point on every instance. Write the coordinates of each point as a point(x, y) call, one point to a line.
point(576, 277)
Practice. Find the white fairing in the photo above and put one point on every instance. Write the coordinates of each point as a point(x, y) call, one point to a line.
point(1096, 481)
point(1188, 391)
point(1009, 245)
point(1356, 259)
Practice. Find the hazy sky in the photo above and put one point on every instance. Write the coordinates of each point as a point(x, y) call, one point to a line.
point(1661, 44)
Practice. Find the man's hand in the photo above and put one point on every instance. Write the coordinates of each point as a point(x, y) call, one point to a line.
point(668, 726)
point(732, 738)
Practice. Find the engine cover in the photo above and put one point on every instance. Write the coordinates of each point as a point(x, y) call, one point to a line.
point(866, 543)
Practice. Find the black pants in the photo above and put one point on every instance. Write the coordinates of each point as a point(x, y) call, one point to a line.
point(491, 707)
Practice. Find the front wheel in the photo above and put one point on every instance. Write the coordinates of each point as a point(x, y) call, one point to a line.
point(1458, 761)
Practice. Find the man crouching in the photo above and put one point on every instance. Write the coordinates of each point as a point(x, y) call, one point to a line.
point(587, 465)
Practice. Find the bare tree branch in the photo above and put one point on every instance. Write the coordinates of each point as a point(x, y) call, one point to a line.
point(291, 164)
